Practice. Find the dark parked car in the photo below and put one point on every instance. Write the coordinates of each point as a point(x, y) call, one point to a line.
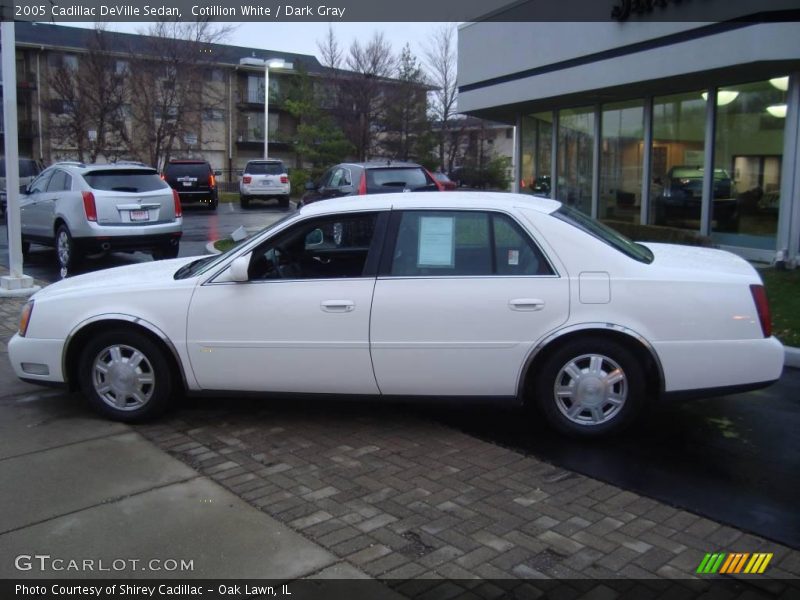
point(682, 192)
point(349, 179)
point(194, 180)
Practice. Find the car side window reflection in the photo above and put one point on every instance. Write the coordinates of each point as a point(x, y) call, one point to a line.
point(323, 248)
point(463, 243)
point(39, 184)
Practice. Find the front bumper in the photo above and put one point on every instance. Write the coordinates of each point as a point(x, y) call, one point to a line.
point(31, 357)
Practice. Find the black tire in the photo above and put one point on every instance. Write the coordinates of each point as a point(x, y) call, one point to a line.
point(120, 391)
point(593, 413)
point(26, 248)
point(284, 202)
point(166, 252)
point(67, 254)
point(214, 203)
point(244, 202)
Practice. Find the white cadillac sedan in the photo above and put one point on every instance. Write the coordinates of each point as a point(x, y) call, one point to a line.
point(474, 296)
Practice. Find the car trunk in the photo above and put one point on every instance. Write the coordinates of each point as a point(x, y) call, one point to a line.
point(130, 197)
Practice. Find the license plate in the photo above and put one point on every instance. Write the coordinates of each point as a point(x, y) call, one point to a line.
point(187, 184)
point(140, 215)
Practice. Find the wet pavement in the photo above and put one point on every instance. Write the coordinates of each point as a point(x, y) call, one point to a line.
point(734, 459)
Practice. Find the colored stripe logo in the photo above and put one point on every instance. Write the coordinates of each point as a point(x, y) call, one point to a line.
point(734, 563)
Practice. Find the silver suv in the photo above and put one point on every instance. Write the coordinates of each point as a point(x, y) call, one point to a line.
point(264, 179)
point(87, 209)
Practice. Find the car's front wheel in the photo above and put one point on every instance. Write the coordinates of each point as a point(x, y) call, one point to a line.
point(125, 376)
point(67, 254)
point(244, 202)
point(591, 387)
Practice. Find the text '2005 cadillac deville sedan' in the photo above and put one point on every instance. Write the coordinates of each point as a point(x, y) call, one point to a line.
point(473, 296)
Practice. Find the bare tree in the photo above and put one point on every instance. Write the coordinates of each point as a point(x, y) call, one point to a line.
point(167, 90)
point(330, 51)
point(441, 60)
point(363, 91)
point(87, 98)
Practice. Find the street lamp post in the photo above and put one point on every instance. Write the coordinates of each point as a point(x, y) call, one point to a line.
point(274, 63)
point(270, 63)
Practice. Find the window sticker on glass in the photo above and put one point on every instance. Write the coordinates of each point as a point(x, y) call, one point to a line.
point(513, 257)
point(436, 242)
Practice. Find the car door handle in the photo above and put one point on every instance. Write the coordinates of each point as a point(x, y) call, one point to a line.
point(526, 304)
point(338, 306)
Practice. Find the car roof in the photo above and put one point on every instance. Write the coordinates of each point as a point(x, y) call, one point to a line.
point(86, 168)
point(381, 164)
point(265, 160)
point(187, 161)
point(432, 200)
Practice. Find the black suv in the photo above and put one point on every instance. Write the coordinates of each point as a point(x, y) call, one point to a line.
point(350, 179)
point(194, 180)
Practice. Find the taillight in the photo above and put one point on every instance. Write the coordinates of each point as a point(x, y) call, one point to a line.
point(163, 178)
point(176, 199)
point(212, 181)
point(284, 179)
point(362, 185)
point(439, 185)
point(247, 179)
point(762, 307)
point(89, 206)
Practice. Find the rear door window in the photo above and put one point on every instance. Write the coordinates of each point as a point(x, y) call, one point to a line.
point(380, 181)
point(59, 182)
point(264, 169)
point(118, 180)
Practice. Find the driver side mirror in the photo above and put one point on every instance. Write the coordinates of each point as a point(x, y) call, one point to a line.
point(315, 238)
point(239, 269)
point(217, 173)
point(346, 189)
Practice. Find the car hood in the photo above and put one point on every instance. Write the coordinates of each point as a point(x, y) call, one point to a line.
point(708, 262)
point(121, 278)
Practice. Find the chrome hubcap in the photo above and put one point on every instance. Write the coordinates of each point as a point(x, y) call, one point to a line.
point(62, 248)
point(590, 389)
point(123, 377)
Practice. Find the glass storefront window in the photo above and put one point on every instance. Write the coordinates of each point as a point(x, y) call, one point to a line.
point(621, 157)
point(747, 164)
point(575, 151)
point(678, 156)
point(537, 144)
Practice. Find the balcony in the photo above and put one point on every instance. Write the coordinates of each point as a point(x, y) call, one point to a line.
point(252, 136)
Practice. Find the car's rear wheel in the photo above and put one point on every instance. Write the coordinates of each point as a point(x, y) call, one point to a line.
point(126, 376)
point(244, 202)
point(284, 202)
point(591, 387)
point(67, 255)
point(26, 248)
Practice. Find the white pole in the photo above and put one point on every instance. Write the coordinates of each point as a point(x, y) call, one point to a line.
point(266, 109)
point(11, 147)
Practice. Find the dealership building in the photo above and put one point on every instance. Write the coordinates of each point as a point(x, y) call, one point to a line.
point(644, 120)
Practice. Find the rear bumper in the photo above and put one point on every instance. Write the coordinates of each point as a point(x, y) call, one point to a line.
point(197, 196)
point(707, 368)
point(127, 243)
point(263, 192)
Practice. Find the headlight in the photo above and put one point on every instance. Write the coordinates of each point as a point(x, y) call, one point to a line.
point(25, 318)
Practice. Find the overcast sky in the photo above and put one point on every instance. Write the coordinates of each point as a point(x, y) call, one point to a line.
point(302, 37)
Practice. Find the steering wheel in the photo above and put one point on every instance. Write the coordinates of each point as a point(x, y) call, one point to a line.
point(285, 264)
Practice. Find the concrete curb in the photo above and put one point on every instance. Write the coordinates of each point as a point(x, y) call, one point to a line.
point(792, 357)
point(210, 249)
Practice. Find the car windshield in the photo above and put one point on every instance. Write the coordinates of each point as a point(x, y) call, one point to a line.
point(396, 179)
point(604, 233)
point(264, 168)
point(696, 173)
point(119, 180)
point(206, 263)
